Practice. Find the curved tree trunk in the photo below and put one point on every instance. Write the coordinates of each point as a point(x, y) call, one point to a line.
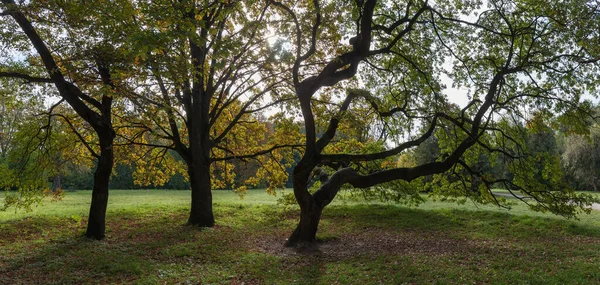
point(306, 230)
point(311, 206)
point(310, 210)
point(97, 218)
point(201, 213)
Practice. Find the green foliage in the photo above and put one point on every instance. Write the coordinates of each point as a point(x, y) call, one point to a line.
point(27, 149)
point(521, 71)
point(184, 71)
point(287, 200)
point(580, 158)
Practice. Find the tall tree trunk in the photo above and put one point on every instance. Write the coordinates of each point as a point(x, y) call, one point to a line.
point(97, 218)
point(201, 213)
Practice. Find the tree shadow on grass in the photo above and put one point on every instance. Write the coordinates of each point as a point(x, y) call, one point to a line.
point(456, 220)
point(133, 248)
point(247, 246)
point(354, 230)
point(350, 231)
point(451, 242)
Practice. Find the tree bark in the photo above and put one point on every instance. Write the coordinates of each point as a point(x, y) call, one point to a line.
point(310, 211)
point(97, 217)
point(306, 230)
point(201, 213)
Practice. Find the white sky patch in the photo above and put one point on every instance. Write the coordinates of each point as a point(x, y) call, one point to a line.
point(455, 95)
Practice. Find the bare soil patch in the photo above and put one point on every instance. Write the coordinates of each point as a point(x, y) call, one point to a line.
point(375, 242)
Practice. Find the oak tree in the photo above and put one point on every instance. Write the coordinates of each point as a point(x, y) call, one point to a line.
point(206, 75)
point(509, 58)
point(69, 46)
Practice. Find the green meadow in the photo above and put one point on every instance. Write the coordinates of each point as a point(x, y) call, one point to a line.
point(359, 243)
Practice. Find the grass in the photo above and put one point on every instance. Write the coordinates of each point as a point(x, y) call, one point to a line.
point(377, 243)
point(78, 202)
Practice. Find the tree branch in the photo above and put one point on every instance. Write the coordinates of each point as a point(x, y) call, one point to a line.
point(26, 77)
point(333, 158)
point(50, 64)
point(297, 62)
point(259, 153)
point(334, 122)
point(79, 136)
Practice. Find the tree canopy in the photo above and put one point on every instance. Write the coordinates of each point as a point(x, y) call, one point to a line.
point(394, 97)
point(511, 57)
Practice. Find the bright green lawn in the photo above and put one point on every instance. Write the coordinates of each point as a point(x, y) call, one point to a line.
point(147, 243)
point(78, 202)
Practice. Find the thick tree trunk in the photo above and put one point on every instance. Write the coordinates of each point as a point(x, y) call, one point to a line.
point(201, 212)
point(311, 206)
point(97, 218)
point(310, 211)
point(306, 231)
